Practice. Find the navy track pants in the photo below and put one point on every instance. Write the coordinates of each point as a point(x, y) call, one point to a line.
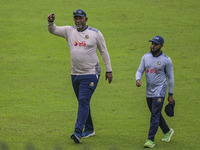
point(155, 105)
point(84, 86)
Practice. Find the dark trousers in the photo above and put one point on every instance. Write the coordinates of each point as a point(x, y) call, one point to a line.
point(155, 105)
point(84, 86)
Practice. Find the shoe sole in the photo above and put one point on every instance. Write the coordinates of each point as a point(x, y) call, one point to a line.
point(91, 134)
point(169, 136)
point(147, 146)
point(75, 138)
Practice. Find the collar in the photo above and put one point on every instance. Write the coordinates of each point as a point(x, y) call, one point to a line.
point(158, 55)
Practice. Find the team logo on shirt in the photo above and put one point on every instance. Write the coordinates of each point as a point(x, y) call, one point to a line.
point(158, 63)
point(80, 44)
point(91, 83)
point(159, 100)
point(86, 36)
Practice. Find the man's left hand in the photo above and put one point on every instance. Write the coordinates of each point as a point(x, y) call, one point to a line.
point(109, 77)
point(170, 99)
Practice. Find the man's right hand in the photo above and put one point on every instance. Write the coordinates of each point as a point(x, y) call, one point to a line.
point(51, 17)
point(138, 83)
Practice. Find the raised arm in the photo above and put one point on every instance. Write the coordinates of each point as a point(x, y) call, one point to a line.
point(59, 31)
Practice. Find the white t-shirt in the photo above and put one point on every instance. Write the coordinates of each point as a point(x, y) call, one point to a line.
point(83, 48)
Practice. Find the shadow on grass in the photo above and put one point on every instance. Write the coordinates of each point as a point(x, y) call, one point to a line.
point(3, 146)
point(30, 146)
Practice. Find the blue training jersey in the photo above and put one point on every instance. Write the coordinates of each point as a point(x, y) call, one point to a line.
point(157, 70)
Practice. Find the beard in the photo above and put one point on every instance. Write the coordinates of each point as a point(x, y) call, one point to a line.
point(79, 27)
point(155, 52)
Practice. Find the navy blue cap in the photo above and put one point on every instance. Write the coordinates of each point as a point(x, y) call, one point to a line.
point(158, 40)
point(169, 109)
point(79, 12)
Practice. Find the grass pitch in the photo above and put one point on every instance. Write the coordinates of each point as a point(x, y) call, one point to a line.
point(37, 104)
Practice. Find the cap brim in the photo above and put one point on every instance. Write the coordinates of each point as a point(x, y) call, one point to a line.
point(79, 15)
point(154, 41)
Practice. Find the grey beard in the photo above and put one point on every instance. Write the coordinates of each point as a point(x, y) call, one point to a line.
point(79, 27)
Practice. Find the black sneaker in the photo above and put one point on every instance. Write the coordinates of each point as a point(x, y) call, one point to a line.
point(76, 137)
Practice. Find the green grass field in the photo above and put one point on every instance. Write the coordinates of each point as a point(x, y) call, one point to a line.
point(37, 104)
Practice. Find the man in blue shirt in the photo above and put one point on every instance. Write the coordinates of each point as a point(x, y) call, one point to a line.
point(158, 68)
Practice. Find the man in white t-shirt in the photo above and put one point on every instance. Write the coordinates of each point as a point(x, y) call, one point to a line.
point(83, 42)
